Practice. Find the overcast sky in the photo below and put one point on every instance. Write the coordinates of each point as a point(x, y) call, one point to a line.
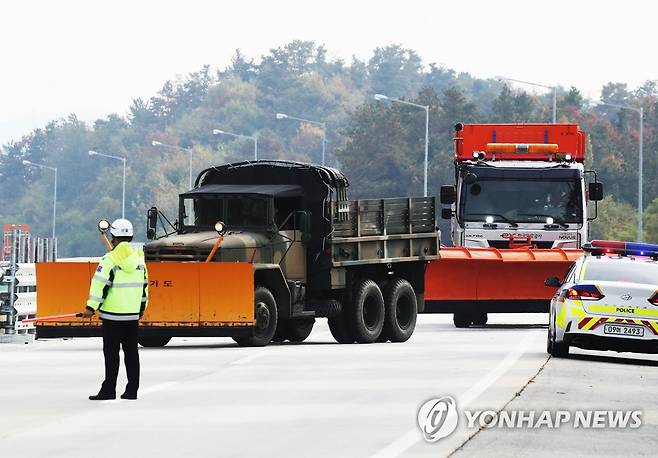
point(92, 57)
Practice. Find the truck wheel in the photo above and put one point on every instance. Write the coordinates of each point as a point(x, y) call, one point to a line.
point(281, 331)
point(153, 341)
point(480, 319)
point(299, 330)
point(266, 319)
point(461, 320)
point(401, 311)
point(341, 329)
point(367, 312)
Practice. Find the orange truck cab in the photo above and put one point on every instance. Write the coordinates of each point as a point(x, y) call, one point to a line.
point(518, 213)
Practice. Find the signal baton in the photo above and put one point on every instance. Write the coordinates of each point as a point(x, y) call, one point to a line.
point(52, 317)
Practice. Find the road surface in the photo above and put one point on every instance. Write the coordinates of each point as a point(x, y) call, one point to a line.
point(208, 397)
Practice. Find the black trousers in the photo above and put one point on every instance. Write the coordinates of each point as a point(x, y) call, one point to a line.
point(124, 334)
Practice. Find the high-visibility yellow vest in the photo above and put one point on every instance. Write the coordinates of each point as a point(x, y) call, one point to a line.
point(119, 288)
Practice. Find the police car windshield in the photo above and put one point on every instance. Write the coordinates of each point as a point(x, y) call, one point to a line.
point(203, 211)
point(522, 201)
point(623, 270)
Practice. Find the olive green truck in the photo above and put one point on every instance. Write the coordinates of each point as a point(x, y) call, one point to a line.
point(314, 253)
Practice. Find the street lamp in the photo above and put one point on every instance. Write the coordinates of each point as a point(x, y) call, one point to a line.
point(317, 123)
point(554, 88)
point(640, 209)
point(381, 97)
point(123, 193)
point(54, 169)
point(248, 137)
point(179, 148)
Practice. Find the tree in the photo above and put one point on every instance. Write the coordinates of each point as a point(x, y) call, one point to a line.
point(650, 222)
point(615, 221)
point(573, 99)
point(395, 71)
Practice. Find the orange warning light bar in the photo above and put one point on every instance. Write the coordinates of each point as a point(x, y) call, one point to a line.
point(522, 148)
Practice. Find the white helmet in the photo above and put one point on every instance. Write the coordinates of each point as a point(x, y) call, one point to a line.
point(121, 228)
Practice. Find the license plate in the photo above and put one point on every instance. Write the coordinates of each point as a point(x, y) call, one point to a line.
point(623, 330)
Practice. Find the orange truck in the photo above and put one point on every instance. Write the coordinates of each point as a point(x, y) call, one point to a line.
point(519, 215)
point(259, 251)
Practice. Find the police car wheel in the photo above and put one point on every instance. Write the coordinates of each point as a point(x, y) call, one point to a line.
point(560, 350)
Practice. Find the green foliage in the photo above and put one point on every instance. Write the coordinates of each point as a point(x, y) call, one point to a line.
point(380, 145)
point(616, 221)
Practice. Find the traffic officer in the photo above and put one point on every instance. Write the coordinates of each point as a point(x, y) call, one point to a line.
point(119, 292)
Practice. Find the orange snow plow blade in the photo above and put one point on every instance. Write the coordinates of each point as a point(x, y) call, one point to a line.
point(494, 280)
point(191, 295)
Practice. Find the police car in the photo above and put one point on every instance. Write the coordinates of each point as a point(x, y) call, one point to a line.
point(608, 300)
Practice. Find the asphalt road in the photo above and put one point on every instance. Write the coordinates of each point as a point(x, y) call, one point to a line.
point(208, 397)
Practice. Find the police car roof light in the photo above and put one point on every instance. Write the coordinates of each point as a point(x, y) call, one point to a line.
point(622, 248)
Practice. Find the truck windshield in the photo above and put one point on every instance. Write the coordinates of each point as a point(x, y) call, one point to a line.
point(203, 211)
point(522, 201)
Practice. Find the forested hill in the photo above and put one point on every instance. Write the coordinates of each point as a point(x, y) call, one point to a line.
point(379, 145)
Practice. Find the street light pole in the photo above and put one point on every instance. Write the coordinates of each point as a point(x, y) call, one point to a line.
point(54, 169)
point(254, 138)
point(427, 131)
point(178, 148)
point(123, 187)
point(538, 85)
point(317, 123)
point(640, 167)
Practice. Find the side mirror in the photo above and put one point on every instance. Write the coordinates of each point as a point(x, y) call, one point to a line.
point(303, 221)
point(151, 223)
point(447, 194)
point(446, 213)
point(553, 282)
point(595, 191)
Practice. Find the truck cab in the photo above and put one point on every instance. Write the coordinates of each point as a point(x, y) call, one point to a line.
point(309, 246)
point(519, 184)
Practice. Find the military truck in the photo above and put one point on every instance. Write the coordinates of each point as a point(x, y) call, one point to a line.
point(314, 253)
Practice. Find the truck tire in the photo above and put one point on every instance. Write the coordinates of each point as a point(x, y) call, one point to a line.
point(341, 329)
point(366, 312)
point(299, 330)
point(480, 319)
point(401, 310)
point(462, 319)
point(281, 331)
point(153, 341)
point(266, 320)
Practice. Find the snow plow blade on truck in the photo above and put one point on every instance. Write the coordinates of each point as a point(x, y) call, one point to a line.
point(473, 280)
point(189, 299)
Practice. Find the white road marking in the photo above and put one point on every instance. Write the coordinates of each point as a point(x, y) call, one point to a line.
point(411, 437)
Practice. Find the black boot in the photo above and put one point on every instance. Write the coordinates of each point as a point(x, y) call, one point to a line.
point(102, 396)
point(128, 395)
